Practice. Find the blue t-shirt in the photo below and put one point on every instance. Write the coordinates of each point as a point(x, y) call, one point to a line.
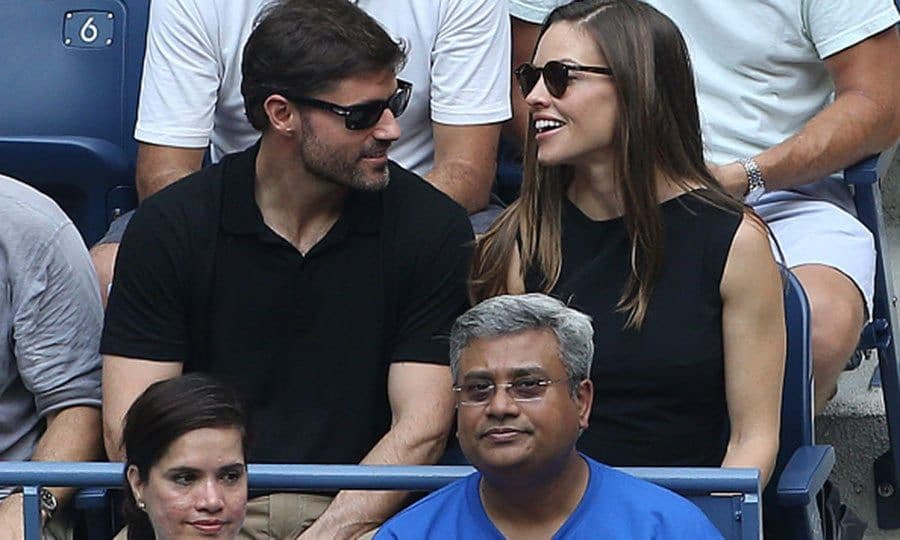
point(614, 506)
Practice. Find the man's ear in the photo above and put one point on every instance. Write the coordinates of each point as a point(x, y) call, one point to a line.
point(584, 398)
point(282, 114)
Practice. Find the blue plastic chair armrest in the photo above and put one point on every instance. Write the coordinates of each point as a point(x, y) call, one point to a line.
point(91, 499)
point(804, 475)
point(864, 172)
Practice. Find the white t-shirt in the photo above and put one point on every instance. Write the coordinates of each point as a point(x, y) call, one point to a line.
point(533, 11)
point(760, 70)
point(190, 91)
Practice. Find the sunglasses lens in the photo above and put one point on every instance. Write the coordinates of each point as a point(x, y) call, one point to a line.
point(364, 116)
point(556, 77)
point(398, 102)
point(528, 77)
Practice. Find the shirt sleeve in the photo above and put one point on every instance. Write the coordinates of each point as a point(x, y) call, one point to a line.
point(180, 83)
point(471, 54)
point(835, 25)
point(146, 316)
point(434, 295)
point(56, 325)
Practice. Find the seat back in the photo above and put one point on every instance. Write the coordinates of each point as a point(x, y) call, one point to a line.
point(801, 468)
point(69, 108)
point(797, 397)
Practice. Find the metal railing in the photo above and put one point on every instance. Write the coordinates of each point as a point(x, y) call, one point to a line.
point(690, 482)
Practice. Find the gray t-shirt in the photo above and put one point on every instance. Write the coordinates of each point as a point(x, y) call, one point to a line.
point(50, 318)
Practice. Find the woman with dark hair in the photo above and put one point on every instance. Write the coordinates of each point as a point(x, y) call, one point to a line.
point(620, 217)
point(185, 476)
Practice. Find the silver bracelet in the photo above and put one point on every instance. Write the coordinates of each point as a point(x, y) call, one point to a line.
point(754, 175)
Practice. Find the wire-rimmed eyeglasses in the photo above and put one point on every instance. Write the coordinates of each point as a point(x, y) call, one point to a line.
point(480, 393)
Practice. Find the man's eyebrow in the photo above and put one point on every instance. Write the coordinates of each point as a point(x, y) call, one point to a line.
point(478, 374)
point(522, 371)
point(530, 370)
point(232, 467)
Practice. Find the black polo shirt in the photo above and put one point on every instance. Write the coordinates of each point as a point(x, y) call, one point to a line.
point(307, 340)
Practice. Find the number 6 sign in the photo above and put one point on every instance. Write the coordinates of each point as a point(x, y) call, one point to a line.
point(88, 29)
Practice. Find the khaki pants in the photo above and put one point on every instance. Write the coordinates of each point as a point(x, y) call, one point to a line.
point(283, 516)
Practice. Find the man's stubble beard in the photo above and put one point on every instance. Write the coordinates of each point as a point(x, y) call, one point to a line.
point(322, 161)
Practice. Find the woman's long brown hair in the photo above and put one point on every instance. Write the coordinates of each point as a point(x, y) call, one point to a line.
point(657, 134)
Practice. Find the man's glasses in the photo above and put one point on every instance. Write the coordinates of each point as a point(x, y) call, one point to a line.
point(365, 115)
point(479, 393)
point(556, 76)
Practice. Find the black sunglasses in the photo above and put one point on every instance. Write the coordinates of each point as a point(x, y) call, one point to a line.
point(364, 115)
point(556, 76)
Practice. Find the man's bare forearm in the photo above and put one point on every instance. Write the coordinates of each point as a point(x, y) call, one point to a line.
point(158, 166)
point(148, 185)
point(851, 128)
point(464, 184)
point(73, 434)
point(353, 513)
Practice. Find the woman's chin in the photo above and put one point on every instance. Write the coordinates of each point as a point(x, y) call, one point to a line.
point(548, 160)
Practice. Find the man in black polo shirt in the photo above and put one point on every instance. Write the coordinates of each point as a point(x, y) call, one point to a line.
point(309, 271)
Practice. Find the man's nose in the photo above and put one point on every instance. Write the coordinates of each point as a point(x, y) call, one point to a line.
point(387, 128)
point(502, 404)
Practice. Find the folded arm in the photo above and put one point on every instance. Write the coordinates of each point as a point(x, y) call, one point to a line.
point(422, 411)
point(124, 379)
point(73, 434)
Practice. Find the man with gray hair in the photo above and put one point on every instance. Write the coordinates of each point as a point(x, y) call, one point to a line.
point(521, 369)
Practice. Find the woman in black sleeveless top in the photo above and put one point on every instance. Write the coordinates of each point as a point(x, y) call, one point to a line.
point(620, 217)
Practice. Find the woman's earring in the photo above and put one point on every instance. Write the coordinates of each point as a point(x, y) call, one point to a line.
point(142, 505)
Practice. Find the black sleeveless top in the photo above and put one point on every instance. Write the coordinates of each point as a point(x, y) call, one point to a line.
point(659, 393)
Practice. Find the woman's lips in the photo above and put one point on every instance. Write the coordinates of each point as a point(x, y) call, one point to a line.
point(208, 526)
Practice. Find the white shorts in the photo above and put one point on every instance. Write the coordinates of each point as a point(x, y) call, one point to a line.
point(817, 232)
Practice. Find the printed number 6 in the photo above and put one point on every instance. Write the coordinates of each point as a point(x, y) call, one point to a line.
point(89, 31)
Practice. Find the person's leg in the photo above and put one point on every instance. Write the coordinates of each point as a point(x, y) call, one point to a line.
point(256, 523)
point(103, 253)
point(838, 314)
point(104, 258)
point(281, 515)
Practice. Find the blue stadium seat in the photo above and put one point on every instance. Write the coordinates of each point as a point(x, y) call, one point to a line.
point(880, 334)
point(802, 466)
point(735, 510)
point(70, 100)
